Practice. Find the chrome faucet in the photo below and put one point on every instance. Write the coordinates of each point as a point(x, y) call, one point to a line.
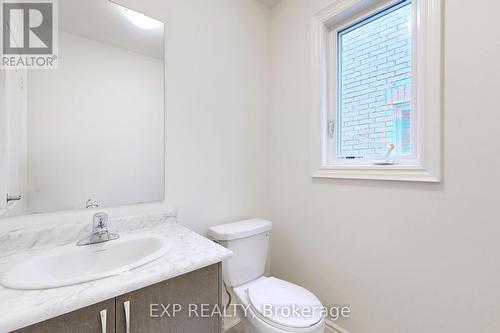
point(100, 232)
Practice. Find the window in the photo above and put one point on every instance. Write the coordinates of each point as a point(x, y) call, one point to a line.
point(374, 113)
point(377, 94)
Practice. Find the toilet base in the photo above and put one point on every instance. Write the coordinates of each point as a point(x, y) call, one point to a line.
point(253, 324)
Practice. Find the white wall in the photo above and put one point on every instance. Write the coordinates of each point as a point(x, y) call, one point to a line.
point(407, 257)
point(13, 148)
point(16, 139)
point(95, 128)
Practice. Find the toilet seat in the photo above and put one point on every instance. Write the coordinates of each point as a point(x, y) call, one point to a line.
point(284, 305)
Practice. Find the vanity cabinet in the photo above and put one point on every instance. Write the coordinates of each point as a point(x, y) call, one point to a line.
point(143, 311)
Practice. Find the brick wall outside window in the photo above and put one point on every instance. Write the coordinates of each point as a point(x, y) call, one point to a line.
point(375, 85)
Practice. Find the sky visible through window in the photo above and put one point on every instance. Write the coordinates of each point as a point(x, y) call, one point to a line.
point(375, 81)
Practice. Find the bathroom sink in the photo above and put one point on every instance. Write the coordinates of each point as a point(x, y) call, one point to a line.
point(71, 264)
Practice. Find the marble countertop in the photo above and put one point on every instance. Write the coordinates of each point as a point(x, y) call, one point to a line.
point(21, 308)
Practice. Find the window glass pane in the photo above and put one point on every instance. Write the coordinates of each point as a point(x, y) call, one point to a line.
point(374, 85)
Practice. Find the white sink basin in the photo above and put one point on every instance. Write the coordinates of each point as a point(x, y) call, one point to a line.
point(71, 264)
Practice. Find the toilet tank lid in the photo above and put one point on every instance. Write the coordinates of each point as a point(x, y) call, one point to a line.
point(241, 229)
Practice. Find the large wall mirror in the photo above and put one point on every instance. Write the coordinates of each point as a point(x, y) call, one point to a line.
point(94, 127)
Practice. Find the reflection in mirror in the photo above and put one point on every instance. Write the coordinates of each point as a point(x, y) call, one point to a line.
point(93, 127)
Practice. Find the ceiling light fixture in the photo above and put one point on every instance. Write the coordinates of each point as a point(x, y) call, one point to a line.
point(140, 20)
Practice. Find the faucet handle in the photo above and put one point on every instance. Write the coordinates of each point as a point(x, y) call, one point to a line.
point(101, 221)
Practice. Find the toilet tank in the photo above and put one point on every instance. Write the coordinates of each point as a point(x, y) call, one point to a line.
point(249, 241)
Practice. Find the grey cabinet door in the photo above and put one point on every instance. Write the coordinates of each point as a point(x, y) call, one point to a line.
point(198, 291)
point(86, 320)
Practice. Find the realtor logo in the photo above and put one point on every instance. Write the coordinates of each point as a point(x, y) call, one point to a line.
point(29, 34)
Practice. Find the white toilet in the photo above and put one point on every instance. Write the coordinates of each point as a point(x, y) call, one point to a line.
point(266, 304)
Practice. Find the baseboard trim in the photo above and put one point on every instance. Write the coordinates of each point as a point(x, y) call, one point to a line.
point(331, 327)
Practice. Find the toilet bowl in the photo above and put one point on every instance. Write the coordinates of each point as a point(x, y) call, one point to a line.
point(265, 304)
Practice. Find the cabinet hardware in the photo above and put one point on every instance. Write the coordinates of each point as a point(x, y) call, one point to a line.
point(126, 306)
point(104, 315)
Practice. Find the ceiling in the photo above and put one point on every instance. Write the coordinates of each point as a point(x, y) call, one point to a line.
point(270, 3)
point(103, 21)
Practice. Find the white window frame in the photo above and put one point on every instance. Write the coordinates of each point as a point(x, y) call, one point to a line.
point(426, 99)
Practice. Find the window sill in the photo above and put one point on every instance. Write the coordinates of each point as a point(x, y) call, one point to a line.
point(376, 172)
